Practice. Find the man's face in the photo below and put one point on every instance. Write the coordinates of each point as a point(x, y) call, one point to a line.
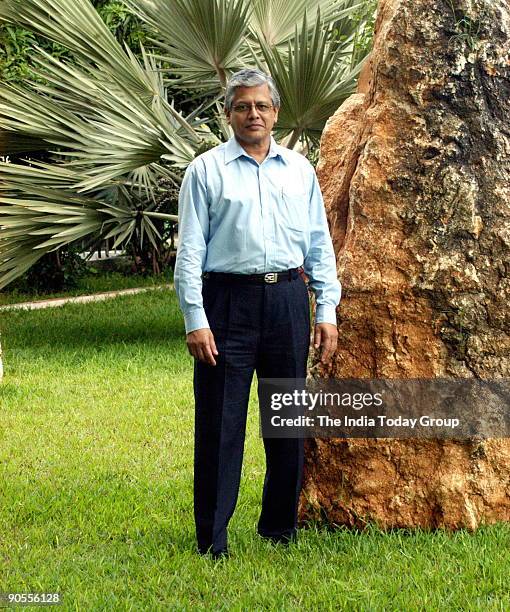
point(252, 126)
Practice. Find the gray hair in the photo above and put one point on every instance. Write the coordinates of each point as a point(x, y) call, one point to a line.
point(248, 77)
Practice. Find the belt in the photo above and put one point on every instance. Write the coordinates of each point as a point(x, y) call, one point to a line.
point(267, 278)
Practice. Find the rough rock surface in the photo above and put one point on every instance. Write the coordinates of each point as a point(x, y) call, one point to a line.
point(415, 170)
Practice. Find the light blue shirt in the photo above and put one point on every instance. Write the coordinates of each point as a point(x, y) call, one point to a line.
point(236, 215)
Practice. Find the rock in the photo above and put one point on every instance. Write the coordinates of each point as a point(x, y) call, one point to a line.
point(415, 170)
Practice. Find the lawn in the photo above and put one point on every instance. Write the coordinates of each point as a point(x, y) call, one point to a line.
point(96, 452)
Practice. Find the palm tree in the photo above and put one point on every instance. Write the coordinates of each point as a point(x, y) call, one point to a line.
point(108, 124)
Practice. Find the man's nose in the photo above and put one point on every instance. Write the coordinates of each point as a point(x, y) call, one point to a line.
point(253, 112)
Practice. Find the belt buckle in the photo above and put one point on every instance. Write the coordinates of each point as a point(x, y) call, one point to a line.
point(271, 277)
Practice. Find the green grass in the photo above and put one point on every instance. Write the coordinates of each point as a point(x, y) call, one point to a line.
point(90, 283)
point(96, 447)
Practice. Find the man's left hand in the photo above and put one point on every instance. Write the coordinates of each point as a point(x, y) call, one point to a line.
point(326, 337)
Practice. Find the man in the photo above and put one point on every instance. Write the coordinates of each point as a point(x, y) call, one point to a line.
point(250, 215)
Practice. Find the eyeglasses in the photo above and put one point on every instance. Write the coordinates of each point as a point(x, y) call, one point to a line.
point(262, 107)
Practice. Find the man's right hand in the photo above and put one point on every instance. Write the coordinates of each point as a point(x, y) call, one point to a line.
point(202, 346)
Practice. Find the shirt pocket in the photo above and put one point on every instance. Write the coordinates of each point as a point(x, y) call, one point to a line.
point(295, 209)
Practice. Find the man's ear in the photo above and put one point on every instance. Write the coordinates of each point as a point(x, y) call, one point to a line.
point(276, 114)
point(227, 115)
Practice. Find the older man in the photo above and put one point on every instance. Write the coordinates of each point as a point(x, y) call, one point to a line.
point(251, 216)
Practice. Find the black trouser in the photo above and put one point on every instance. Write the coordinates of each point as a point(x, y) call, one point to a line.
point(256, 327)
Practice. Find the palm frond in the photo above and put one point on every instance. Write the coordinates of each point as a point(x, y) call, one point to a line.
point(40, 212)
point(117, 134)
point(274, 21)
point(201, 39)
point(35, 219)
point(312, 80)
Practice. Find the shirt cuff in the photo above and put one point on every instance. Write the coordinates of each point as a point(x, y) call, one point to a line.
point(325, 313)
point(195, 319)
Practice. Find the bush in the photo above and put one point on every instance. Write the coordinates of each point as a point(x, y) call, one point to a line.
point(56, 271)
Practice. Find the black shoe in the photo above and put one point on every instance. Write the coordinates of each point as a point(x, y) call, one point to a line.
point(215, 554)
point(284, 539)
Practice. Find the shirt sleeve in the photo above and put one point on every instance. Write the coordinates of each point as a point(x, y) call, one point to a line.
point(320, 262)
point(193, 234)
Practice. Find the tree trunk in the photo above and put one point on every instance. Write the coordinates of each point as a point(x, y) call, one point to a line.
point(416, 177)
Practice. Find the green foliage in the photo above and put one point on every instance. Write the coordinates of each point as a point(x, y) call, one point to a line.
point(17, 51)
point(15, 45)
point(123, 24)
point(357, 27)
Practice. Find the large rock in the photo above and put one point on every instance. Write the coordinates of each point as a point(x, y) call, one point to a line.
point(416, 176)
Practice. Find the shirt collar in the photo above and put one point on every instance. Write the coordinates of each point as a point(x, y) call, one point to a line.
point(233, 150)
